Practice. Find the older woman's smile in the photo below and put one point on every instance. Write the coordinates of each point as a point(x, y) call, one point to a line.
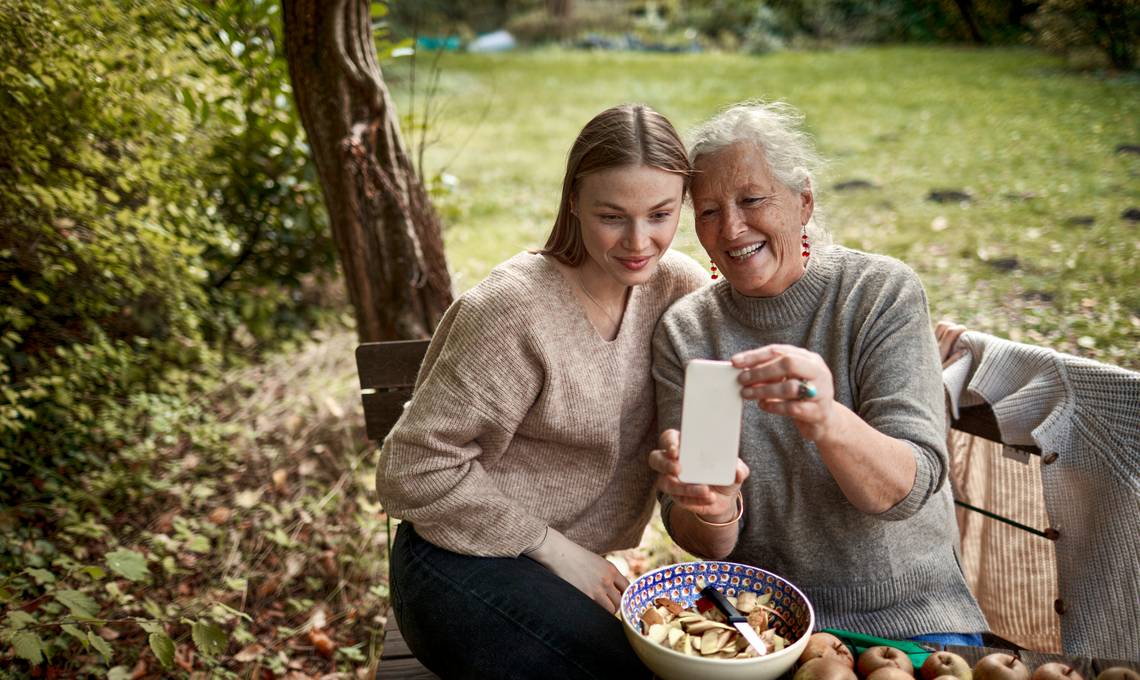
point(745, 252)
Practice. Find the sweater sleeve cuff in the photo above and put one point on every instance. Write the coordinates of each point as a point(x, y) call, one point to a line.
point(666, 508)
point(919, 492)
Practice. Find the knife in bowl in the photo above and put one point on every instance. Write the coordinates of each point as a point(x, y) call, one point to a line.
point(735, 619)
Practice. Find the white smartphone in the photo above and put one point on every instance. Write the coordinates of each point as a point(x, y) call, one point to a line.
point(711, 411)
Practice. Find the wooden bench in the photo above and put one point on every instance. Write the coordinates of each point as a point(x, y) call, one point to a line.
point(397, 661)
point(387, 372)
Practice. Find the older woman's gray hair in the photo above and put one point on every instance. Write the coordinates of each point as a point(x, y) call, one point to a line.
point(774, 127)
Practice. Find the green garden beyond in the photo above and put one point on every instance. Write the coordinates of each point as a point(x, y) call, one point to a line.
point(1031, 239)
point(187, 484)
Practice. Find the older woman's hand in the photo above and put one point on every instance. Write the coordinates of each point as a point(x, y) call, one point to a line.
point(781, 379)
point(710, 503)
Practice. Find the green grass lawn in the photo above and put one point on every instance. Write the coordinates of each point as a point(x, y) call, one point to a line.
point(1040, 254)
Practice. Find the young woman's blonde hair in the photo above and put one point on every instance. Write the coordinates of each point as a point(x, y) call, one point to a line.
point(626, 135)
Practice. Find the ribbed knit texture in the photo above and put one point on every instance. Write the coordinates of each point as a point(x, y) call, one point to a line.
point(523, 417)
point(895, 574)
point(1087, 413)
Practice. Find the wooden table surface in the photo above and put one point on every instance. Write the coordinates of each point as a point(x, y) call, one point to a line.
point(398, 663)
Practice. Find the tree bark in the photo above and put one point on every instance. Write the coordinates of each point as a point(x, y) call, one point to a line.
point(1019, 9)
point(387, 234)
point(966, 9)
point(560, 8)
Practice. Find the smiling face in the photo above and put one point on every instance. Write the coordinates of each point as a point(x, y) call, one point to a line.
point(748, 221)
point(629, 216)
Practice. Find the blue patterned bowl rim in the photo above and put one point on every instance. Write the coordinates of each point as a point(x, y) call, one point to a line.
point(717, 565)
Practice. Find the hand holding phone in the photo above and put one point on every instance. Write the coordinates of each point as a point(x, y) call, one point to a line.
point(711, 411)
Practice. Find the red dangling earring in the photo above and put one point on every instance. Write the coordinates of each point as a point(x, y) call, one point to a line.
point(806, 244)
point(712, 266)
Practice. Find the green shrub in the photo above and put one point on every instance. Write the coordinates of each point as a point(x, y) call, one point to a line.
point(156, 200)
point(103, 214)
point(437, 18)
point(104, 219)
point(761, 26)
point(1110, 26)
point(259, 175)
point(538, 25)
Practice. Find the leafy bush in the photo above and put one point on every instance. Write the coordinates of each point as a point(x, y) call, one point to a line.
point(259, 175)
point(1110, 26)
point(758, 27)
point(103, 216)
point(103, 223)
point(157, 199)
point(538, 25)
point(447, 17)
point(156, 203)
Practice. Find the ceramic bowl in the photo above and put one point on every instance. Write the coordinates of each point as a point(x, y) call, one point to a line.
point(680, 582)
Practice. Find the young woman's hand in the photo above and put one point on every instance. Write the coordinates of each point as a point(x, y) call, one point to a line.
point(947, 334)
point(593, 575)
point(710, 503)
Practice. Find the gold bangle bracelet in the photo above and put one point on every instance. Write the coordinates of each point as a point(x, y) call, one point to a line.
point(734, 520)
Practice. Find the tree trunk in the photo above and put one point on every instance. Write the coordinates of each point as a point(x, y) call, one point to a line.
point(387, 234)
point(561, 9)
point(1115, 29)
point(1019, 9)
point(966, 9)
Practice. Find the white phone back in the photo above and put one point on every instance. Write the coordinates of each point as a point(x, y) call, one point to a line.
point(710, 423)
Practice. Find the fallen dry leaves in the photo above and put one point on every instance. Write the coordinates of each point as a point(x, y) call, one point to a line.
point(281, 481)
point(324, 644)
point(220, 515)
point(260, 524)
point(250, 653)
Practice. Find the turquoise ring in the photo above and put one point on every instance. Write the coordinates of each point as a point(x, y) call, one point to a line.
point(806, 391)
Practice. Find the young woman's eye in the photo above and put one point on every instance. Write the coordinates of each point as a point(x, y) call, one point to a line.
point(610, 218)
point(661, 215)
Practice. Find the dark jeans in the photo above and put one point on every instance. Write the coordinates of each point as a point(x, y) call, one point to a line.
point(491, 617)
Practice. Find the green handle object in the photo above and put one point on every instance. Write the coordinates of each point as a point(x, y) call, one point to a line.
point(859, 642)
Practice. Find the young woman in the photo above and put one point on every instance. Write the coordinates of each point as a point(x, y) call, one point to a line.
point(520, 459)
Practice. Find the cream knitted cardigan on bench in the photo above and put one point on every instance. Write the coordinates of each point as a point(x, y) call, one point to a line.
point(523, 417)
point(1087, 413)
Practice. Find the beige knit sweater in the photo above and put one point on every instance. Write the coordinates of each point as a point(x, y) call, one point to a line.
point(523, 417)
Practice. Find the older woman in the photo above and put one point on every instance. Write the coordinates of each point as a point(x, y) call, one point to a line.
point(841, 483)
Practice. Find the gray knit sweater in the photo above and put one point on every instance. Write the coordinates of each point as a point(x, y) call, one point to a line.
point(894, 574)
point(523, 417)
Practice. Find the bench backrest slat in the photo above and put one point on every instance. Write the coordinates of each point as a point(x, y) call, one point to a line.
point(387, 373)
